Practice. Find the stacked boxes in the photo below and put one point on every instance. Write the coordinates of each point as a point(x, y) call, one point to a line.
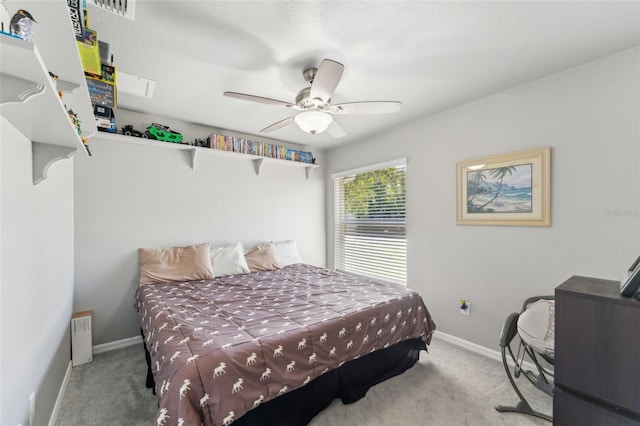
point(100, 76)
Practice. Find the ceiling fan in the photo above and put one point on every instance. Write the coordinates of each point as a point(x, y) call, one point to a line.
point(314, 102)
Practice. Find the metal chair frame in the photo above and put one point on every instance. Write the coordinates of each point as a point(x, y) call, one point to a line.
point(542, 380)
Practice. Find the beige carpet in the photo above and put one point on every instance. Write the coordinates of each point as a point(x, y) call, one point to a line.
point(448, 386)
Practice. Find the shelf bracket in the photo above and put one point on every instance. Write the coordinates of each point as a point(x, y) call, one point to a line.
point(308, 171)
point(257, 164)
point(44, 155)
point(191, 156)
point(16, 89)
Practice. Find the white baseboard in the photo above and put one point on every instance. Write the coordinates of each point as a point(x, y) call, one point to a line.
point(63, 389)
point(482, 350)
point(473, 347)
point(106, 347)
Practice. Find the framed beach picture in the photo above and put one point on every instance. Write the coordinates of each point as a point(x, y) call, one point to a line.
point(510, 189)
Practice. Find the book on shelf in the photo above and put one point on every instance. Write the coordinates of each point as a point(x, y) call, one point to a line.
point(306, 157)
point(258, 148)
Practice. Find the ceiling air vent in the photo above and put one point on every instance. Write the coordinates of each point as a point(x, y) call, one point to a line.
point(124, 8)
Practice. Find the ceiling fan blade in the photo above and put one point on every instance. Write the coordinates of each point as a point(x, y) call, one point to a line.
point(336, 130)
point(275, 126)
point(326, 80)
point(374, 107)
point(252, 98)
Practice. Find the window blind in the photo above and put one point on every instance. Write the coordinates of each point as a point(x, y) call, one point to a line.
point(370, 221)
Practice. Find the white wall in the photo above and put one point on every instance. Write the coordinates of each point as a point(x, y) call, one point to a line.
point(37, 280)
point(129, 196)
point(589, 115)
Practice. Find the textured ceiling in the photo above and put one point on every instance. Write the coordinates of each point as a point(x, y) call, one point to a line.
point(429, 55)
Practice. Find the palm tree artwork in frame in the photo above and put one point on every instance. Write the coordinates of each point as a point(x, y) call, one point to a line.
point(510, 189)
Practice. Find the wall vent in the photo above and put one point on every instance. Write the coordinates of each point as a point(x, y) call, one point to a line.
point(134, 85)
point(124, 8)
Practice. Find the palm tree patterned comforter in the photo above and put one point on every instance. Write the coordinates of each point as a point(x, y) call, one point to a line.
point(221, 347)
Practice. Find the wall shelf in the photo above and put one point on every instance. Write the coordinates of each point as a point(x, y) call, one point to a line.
point(30, 100)
point(193, 152)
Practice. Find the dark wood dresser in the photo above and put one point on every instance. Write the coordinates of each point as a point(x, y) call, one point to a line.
point(597, 354)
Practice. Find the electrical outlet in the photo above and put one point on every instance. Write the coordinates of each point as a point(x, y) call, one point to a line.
point(465, 308)
point(32, 408)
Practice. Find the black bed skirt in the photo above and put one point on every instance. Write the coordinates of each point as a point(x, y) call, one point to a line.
point(349, 383)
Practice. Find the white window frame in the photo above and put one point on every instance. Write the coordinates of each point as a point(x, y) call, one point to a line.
point(396, 266)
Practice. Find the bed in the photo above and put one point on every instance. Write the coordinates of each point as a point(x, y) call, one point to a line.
point(275, 347)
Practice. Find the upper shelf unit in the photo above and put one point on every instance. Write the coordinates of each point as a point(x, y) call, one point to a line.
point(194, 151)
point(29, 99)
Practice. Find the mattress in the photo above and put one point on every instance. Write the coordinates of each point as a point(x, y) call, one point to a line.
point(220, 348)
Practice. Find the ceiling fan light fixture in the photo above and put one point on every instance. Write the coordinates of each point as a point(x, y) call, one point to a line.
point(314, 102)
point(313, 121)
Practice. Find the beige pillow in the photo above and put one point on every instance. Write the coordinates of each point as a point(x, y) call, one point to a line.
point(262, 258)
point(175, 264)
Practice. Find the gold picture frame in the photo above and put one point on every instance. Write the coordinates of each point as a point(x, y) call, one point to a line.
point(505, 190)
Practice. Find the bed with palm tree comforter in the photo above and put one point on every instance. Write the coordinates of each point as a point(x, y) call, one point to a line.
point(221, 348)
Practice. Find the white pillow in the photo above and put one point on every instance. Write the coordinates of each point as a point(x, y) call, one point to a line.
point(286, 253)
point(229, 260)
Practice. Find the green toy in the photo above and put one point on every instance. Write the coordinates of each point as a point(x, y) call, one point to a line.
point(162, 133)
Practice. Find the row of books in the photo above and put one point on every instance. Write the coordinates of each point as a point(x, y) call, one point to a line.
point(263, 149)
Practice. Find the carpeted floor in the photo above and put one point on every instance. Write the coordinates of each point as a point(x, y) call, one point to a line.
point(448, 386)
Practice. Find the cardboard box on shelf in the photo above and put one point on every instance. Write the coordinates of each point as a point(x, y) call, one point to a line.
point(89, 51)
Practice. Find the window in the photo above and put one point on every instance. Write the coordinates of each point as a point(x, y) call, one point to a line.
point(370, 221)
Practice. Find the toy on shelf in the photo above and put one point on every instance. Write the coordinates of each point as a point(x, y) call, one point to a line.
point(78, 125)
point(201, 142)
point(75, 120)
point(162, 133)
point(54, 79)
point(85, 142)
point(105, 118)
point(130, 131)
point(22, 24)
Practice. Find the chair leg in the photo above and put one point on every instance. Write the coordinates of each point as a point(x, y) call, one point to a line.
point(522, 406)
